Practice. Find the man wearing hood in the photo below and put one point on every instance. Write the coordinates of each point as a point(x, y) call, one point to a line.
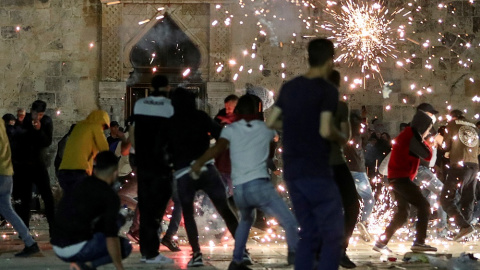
point(405, 157)
point(85, 142)
point(190, 137)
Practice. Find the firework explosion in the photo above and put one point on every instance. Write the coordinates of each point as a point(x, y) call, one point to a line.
point(363, 34)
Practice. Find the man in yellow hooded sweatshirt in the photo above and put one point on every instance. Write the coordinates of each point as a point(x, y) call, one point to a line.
point(85, 142)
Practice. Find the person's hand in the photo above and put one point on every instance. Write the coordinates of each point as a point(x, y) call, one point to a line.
point(195, 170)
point(121, 135)
point(36, 124)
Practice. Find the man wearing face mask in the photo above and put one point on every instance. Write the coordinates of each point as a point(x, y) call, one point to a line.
point(461, 141)
point(405, 157)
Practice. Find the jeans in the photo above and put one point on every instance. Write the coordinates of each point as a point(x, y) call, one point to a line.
point(405, 192)
point(465, 177)
point(6, 210)
point(431, 185)
point(154, 192)
point(211, 183)
point(23, 180)
point(96, 252)
point(318, 208)
point(350, 198)
point(364, 189)
point(260, 193)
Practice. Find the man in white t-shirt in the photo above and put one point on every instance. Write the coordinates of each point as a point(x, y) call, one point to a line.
point(250, 142)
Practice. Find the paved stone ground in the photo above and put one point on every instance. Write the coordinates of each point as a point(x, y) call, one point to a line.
point(266, 256)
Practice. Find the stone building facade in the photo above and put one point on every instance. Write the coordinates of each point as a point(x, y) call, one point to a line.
point(75, 54)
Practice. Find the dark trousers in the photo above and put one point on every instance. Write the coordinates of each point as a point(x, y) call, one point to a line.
point(350, 198)
point(466, 178)
point(23, 180)
point(154, 192)
point(211, 183)
point(318, 208)
point(96, 252)
point(406, 192)
point(69, 179)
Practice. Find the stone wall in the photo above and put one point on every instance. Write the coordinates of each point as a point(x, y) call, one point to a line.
point(49, 50)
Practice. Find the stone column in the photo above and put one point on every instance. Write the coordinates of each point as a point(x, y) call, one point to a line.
point(111, 89)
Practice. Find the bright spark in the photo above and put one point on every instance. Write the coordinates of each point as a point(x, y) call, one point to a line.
point(363, 34)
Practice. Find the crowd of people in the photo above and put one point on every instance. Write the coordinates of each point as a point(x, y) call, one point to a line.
point(331, 156)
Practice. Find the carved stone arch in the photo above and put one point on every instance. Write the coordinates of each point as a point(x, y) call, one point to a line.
point(204, 59)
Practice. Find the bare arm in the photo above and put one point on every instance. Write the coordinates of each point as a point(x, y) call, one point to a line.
point(275, 119)
point(212, 152)
point(328, 129)
point(125, 145)
point(113, 247)
point(345, 129)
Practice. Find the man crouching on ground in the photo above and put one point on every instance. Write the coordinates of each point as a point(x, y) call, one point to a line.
point(87, 233)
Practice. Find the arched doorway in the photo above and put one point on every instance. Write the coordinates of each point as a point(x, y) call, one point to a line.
point(165, 49)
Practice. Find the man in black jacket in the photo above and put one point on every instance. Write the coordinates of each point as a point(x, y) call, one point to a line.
point(32, 140)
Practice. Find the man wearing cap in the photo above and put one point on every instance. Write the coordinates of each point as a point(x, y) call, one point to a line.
point(461, 141)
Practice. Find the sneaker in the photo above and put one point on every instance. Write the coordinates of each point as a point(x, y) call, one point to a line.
point(364, 232)
point(247, 260)
point(238, 266)
point(422, 247)
point(345, 262)
point(196, 260)
point(382, 248)
point(291, 258)
point(171, 244)
point(28, 251)
point(159, 259)
point(464, 232)
point(133, 237)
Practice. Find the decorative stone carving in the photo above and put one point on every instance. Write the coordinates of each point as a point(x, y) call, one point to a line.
point(111, 48)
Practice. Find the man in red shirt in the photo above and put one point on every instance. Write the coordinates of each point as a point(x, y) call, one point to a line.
point(404, 161)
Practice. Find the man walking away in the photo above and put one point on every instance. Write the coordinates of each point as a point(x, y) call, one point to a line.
point(305, 109)
point(149, 137)
point(87, 233)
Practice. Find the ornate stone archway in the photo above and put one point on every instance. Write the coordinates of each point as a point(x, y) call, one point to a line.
point(121, 30)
